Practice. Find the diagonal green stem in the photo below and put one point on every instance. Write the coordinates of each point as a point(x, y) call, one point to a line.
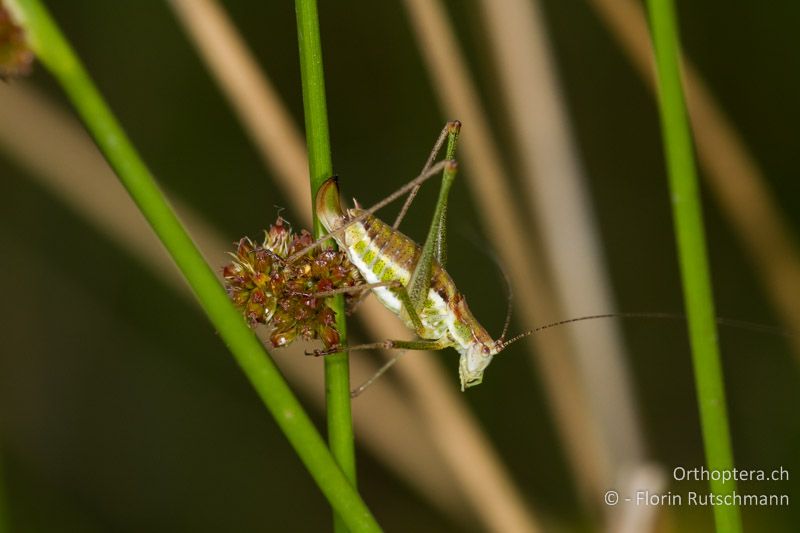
point(697, 291)
point(337, 366)
point(55, 53)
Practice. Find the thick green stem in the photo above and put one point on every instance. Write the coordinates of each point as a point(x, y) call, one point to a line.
point(697, 291)
point(337, 366)
point(55, 53)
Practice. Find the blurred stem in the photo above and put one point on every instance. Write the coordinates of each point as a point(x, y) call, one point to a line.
point(5, 523)
point(55, 53)
point(337, 366)
point(697, 292)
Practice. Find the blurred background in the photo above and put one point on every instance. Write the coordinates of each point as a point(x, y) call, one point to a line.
point(121, 410)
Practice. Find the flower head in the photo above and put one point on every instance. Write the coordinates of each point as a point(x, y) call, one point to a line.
point(16, 58)
point(269, 290)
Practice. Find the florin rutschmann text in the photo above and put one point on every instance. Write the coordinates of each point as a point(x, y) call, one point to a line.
point(650, 497)
point(702, 499)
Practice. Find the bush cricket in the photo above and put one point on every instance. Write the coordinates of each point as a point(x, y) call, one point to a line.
point(408, 279)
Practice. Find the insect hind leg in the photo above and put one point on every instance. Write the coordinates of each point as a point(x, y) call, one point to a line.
point(435, 246)
point(389, 344)
point(449, 132)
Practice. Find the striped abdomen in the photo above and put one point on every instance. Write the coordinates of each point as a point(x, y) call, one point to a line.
point(383, 254)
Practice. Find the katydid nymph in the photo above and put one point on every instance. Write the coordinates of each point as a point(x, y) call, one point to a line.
point(410, 280)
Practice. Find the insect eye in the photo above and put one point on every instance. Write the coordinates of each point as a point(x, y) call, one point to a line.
point(485, 350)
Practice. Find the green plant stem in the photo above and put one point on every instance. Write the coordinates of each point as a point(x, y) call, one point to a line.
point(697, 291)
point(337, 366)
point(55, 53)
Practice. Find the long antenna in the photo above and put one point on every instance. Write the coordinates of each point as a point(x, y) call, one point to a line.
point(482, 247)
point(728, 322)
point(509, 306)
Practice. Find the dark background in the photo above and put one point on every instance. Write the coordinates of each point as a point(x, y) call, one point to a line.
point(120, 409)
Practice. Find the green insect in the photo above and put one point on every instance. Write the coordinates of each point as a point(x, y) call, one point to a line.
point(410, 280)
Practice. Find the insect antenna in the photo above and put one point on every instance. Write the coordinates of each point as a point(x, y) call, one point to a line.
point(722, 321)
point(728, 322)
point(483, 247)
point(509, 298)
point(512, 340)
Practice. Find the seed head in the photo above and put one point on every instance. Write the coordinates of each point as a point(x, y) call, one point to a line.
point(270, 291)
point(16, 58)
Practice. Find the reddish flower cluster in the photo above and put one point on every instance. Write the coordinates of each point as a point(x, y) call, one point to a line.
point(15, 56)
point(271, 291)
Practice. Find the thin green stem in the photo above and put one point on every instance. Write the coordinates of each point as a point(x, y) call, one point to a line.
point(337, 366)
point(55, 53)
point(697, 291)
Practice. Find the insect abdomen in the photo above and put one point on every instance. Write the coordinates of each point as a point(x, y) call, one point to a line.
point(384, 254)
point(387, 251)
